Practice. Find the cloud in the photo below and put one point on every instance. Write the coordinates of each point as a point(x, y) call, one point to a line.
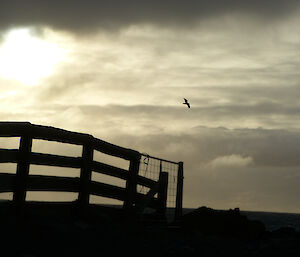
point(257, 169)
point(138, 79)
point(233, 161)
point(88, 16)
point(131, 64)
point(147, 72)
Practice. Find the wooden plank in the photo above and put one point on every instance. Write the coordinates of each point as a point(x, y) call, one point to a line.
point(106, 190)
point(162, 193)
point(22, 173)
point(55, 160)
point(179, 192)
point(156, 188)
point(117, 151)
point(143, 203)
point(7, 182)
point(85, 176)
point(160, 188)
point(109, 170)
point(147, 182)
point(8, 129)
point(64, 136)
point(59, 135)
point(131, 184)
point(14, 129)
point(52, 183)
point(9, 155)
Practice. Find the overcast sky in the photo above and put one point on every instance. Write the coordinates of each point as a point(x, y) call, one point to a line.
point(119, 70)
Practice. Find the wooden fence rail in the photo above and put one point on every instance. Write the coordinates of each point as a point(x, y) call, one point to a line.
point(22, 181)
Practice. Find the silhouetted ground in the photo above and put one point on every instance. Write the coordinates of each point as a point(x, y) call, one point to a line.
point(57, 230)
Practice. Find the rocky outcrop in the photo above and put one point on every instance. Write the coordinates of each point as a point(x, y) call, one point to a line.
point(222, 222)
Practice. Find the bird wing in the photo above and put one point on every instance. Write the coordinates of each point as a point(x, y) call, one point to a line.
point(188, 105)
point(185, 100)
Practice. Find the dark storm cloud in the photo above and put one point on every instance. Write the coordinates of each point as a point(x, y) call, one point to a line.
point(201, 145)
point(80, 16)
point(264, 111)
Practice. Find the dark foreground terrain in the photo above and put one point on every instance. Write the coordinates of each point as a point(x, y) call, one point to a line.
point(59, 231)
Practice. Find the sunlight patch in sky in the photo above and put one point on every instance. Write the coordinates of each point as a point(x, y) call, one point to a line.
point(27, 59)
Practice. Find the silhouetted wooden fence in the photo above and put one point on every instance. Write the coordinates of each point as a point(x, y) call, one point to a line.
point(22, 181)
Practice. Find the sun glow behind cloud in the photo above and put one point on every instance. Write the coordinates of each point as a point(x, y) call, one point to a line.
point(27, 59)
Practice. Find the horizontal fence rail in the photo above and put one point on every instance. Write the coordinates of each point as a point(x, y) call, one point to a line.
point(18, 129)
point(150, 182)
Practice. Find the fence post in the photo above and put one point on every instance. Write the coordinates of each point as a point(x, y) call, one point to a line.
point(23, 165)
point(131, 184)
point(179, 192)
point(85, 177)
point(162, 193)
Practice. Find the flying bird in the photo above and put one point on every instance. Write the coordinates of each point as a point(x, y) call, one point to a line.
point(186, 102)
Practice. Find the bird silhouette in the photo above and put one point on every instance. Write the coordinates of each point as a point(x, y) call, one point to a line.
point(186, 102)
